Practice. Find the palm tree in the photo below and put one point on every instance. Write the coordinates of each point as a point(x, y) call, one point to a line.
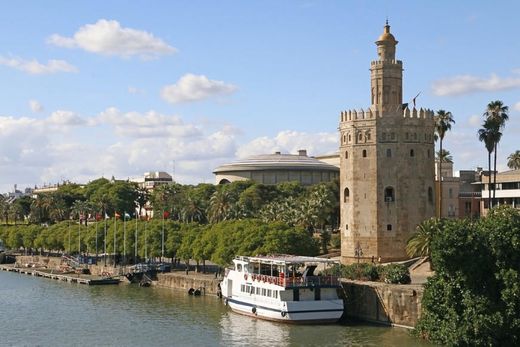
point(497, 112)
point(419, 245)
point(444, 156)
point(443, 120)
point(487, 135)
point(513, 161)
point(220, 205)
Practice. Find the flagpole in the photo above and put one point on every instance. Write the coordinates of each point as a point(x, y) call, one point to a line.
point(79, 236)
point(68, 227)
point(145, 241)
point(97, 222)
point(105, 239)
point(135, 241)
point(124, 238)
point(162, 239)
point(115, 231)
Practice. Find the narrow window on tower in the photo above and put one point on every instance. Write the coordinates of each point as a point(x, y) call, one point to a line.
point(412, 153)
point(346, 154)
point(364, 153)
point(388, 153)
point(430, 195)
point(389, 227)
point(428, 153)
point(346, 195)
point(389, 194)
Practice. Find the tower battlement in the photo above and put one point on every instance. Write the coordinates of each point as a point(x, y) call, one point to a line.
point(375, 63)
point(377, 112)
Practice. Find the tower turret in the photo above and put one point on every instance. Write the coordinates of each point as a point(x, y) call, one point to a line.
point(386, 72)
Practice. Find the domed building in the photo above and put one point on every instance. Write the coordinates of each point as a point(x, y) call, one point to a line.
point(277, 168)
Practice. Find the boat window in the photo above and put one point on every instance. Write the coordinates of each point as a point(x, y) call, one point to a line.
point(317, 293)
point(257, 290)
point(239, 267)
point(242, 288)
point(275, 294)
point(269, 292)
point(296, 294)
point(252, 291)
point(264, 291)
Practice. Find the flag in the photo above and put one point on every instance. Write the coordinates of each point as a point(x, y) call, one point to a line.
point(107, 216)
point(117, 215)
point(166, 214)
point(127, 215)
point(98, 217)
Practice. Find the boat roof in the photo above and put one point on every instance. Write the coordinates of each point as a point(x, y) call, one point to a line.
point(285, 259)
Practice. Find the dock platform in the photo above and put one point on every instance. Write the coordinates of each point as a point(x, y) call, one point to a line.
point(71, 278)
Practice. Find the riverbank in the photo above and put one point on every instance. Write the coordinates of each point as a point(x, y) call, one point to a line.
point(375, 302)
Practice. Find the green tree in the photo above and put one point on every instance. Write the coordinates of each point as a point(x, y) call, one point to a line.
point(513, 161)
point(474, 297)
point(497, 113)
point(419, 245)
point(488, 135)
point(443, 121)
point(444, 156)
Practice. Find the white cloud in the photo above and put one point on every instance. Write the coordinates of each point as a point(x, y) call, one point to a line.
point(65, 118)
point(107, 37)
point(516, 107)
point(149, 124)
point(466, 84)
point(195, 87)
point(135, 90)
point(35, 106)
point(289, 141)
point(124, 144)
point(475, 121)
point(36, 68)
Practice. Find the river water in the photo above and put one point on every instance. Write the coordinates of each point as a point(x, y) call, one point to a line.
point(44, 312)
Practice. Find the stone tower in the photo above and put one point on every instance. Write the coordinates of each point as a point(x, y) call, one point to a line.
point(386, 166)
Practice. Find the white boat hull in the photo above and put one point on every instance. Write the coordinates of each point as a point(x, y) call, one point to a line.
point(324, 311)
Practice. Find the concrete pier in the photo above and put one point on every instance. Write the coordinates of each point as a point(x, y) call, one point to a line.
point(179, 280)
point(71, 278)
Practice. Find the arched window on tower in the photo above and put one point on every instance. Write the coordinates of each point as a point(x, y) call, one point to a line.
point(346, 195)
point(389, 194)
point(430, 195)
point(364, 153)
point(346, 154)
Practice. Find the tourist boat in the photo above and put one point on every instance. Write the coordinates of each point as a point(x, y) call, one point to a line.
point(282, 288)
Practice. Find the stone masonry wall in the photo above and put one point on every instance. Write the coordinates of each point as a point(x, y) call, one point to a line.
point(392, 304)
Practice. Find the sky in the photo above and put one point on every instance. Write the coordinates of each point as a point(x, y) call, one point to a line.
point(118, 88)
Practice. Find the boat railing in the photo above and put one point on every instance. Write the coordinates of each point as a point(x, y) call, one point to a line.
point(297, 281)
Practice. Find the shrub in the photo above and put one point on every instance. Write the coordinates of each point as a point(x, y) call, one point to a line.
point(396, 274)
point(335, 241)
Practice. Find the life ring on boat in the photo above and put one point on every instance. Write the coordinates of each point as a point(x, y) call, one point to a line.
point(253, 310)
point(245, 277)
point(275, 281)
point(283, 313)
point(264, 278)
point(269, 279)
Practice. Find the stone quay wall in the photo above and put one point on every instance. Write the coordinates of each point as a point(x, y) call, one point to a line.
point(389, 304)
point(179, 280)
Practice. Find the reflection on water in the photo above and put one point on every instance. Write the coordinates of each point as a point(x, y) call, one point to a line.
point(44, 312)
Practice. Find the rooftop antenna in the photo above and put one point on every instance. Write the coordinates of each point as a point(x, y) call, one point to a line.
point(413, 100)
